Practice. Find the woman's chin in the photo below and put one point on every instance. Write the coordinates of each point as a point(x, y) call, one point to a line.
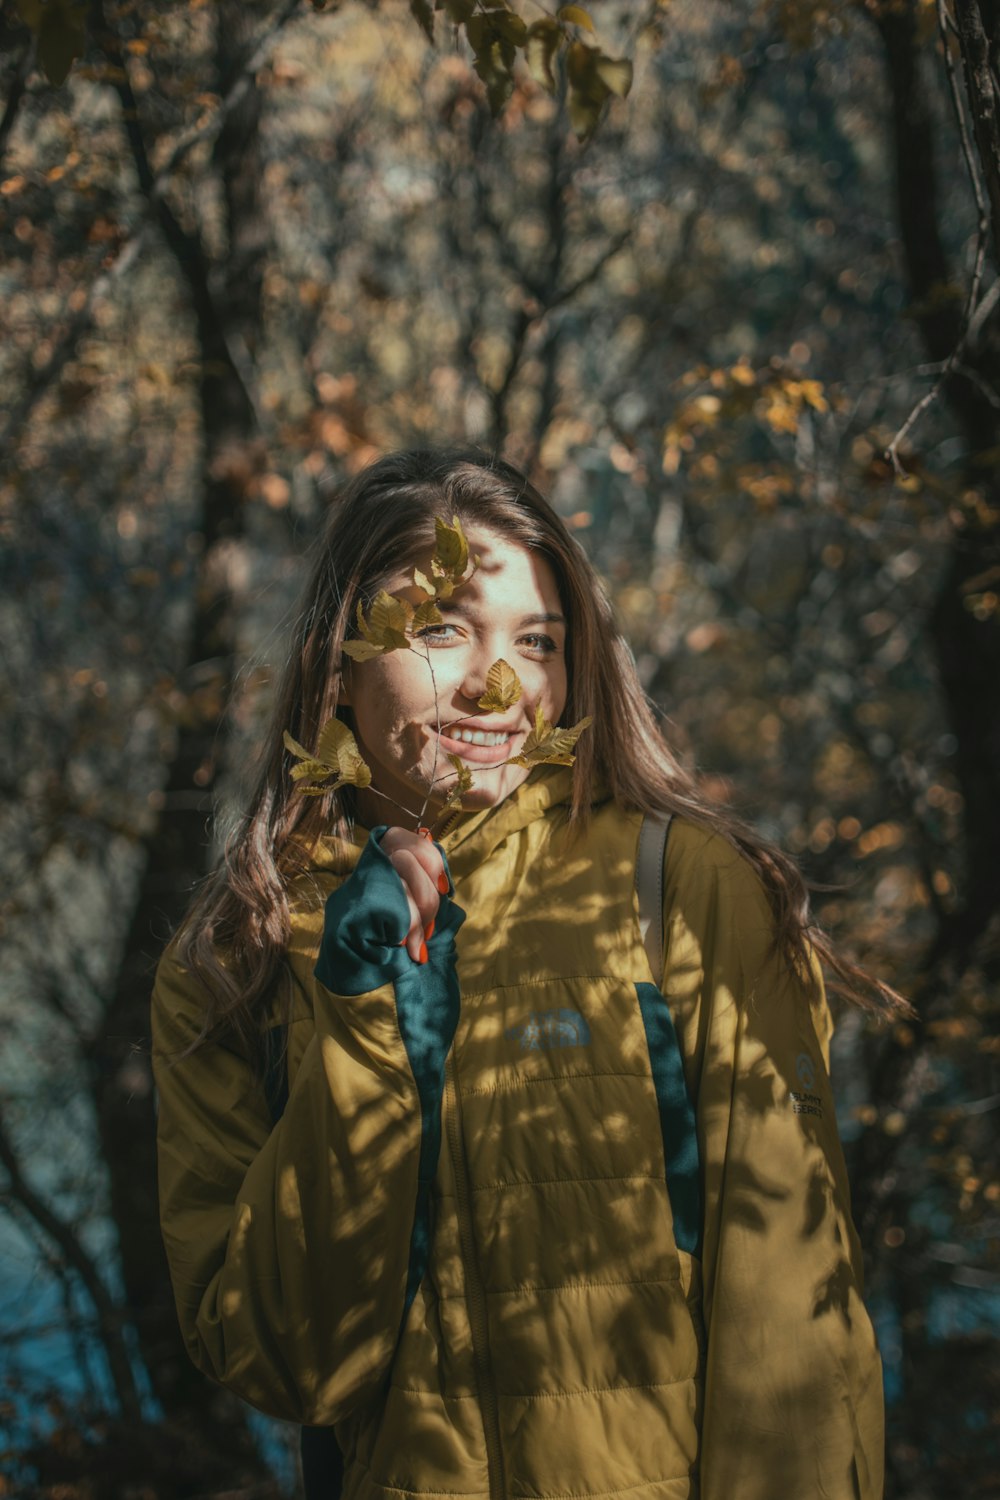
point(487, 790)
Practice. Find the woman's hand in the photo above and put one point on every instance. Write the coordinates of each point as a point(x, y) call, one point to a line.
point(421, 869)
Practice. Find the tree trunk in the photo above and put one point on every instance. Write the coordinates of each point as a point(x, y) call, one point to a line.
point(177, 849)
point(966, 641)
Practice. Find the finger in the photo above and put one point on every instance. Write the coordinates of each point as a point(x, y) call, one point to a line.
point(423, 849)
point(414, 933)
point(421, 891)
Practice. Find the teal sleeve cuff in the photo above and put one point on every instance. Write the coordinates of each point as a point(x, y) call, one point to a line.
point(366, 920)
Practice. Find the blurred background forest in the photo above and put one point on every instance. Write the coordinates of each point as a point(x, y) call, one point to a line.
point(247, 247)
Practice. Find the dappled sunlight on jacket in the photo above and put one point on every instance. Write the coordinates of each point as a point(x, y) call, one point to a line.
point(634, 1269)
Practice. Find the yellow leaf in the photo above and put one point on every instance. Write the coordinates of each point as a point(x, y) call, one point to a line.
point(546, 745)
point(423, 582)
point(494, 57)
point(541, 46)
point(503, 688)
point(451, 551)
point(425, 614)
point(363, 650)
point(388, 619)
point(575, 15)
point(462, 783)
point(311, 769)
point(338, 749)
point(510, 27)
point(615, 73)
point(337, 760)
point(295, 747)
point(385, 628)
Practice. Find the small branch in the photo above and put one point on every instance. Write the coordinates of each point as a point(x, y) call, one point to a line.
point(568, 292)
point(25, 63)
point(75, 327)
point(437, 740)
point(969, 317)
point(155, 187)
point(65, 1238)
point(230, 99)
point(983, 100)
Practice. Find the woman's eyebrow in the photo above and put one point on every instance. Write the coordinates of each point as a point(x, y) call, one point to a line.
point(454, 607)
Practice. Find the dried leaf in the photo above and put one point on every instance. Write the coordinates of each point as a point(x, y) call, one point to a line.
point(462, 782)
point(493, 55)
point(592, 78)
point(313, 770)
point(424, 615)
point(510, 27)
point(451, 552)
point(295, 747)
point(540, 48)
point(363, 650)
point(338, 748)
point(503, 688)
point(337, 761)
point(449, 565)
point(546, 745)
point(384, 630)
point(388, 620)
point(615, 73)
point(575, 15)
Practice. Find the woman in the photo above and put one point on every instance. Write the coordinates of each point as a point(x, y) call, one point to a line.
point(526, 1219)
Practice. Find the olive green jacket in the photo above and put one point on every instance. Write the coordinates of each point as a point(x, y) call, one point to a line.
point(534, 1221)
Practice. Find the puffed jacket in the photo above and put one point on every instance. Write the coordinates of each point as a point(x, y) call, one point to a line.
point(534, 1221)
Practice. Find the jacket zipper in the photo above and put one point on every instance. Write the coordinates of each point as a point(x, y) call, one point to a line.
point(475, 1295)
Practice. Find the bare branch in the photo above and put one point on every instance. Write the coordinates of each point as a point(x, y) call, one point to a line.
point(970, 318)
point(17, 89)
point(65, 1238)
point(155, 186)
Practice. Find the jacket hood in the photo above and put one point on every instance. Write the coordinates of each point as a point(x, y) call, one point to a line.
point(471, 839)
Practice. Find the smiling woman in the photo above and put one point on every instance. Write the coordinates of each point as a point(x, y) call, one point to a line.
point(397, 704)
point(456, 1169)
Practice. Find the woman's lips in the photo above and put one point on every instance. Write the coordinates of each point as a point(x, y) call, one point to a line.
point(481, 755)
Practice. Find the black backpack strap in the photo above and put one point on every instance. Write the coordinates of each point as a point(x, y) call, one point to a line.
point(649, 886)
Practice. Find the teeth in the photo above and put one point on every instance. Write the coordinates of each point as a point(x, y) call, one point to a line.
point(478, 737)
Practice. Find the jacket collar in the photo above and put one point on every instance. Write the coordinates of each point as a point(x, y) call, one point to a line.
point(471, 840)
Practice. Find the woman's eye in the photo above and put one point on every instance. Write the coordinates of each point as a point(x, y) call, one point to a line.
point(434, 632)
point(543, 645)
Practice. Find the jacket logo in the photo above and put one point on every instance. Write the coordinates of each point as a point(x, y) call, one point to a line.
point(804, 1070)
point(550, 1028)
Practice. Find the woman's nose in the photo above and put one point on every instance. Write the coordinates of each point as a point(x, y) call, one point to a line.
point(473, 684)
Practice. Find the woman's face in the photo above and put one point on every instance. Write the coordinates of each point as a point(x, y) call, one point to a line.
point(510, 608)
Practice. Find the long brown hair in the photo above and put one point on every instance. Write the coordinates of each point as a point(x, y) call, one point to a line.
point(238, 927)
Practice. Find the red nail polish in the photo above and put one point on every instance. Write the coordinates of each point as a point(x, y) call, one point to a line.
point(443, 883)
point(429, 929)
point(423, 953)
